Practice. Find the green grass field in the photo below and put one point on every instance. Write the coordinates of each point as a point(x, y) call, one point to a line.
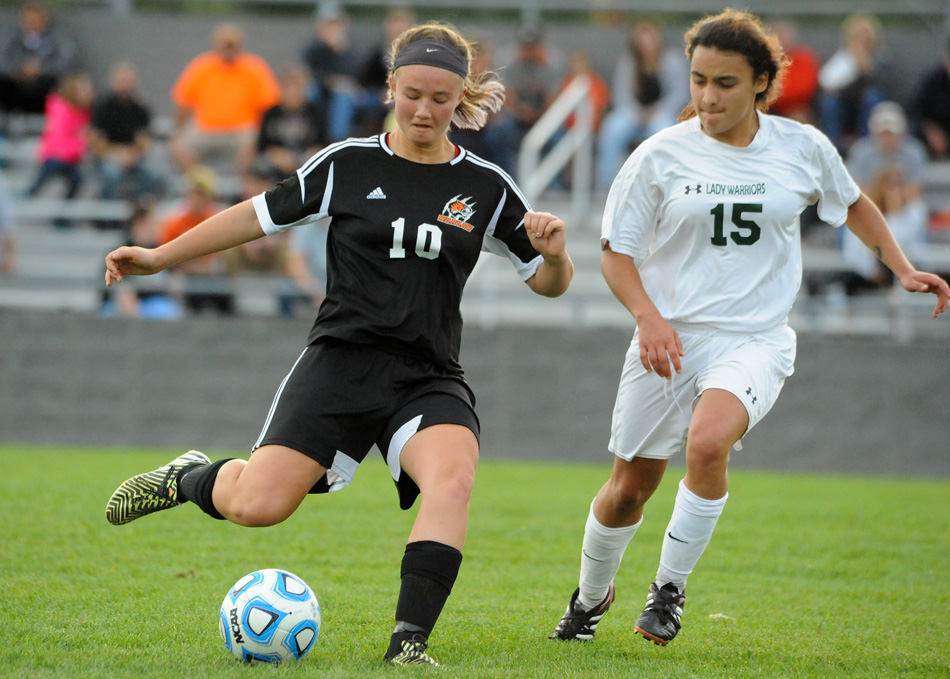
point(806, 576)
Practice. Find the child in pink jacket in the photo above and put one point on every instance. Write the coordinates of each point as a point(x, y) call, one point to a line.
point(63, 141)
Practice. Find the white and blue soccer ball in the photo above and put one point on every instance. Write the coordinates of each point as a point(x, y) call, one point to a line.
point(269, 615)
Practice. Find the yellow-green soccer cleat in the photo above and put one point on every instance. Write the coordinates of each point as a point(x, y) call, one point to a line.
point(413, 653)
point(152, 491)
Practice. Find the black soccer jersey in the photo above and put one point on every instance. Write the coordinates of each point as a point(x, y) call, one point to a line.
point(403, 239)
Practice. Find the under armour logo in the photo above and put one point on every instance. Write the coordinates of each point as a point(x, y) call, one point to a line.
point(748, 392)
point(689, 189)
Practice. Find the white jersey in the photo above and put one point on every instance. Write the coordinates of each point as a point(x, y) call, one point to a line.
point(714, 228)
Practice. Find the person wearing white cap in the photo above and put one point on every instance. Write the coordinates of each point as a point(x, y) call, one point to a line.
point(888, 164)
point(887, 145)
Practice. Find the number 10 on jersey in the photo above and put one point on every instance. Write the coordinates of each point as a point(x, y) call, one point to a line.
point(428, 240)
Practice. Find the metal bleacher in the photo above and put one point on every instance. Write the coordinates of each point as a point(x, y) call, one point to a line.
point(62, 269)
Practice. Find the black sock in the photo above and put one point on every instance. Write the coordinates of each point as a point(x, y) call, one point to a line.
point(429, 570)
point(197, 483)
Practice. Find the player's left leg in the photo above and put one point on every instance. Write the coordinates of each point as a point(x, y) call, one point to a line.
point(743, 379)
point(441, 460)
point(718, 422)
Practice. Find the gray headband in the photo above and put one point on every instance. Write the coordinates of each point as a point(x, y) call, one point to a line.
point(432, 53)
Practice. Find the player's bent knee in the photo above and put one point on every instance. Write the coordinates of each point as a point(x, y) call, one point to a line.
point(258, 513)
point(453, 490)
point(628, 496)
point(707, 451)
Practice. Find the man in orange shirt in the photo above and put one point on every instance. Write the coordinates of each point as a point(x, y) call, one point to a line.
point(221, 97)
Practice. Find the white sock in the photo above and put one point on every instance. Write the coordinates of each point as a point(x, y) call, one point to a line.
point(691, 527)
point(600, 558)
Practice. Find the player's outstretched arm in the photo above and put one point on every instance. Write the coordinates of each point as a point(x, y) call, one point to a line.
point(867, 223)
point(234, 226)
point(547, 235)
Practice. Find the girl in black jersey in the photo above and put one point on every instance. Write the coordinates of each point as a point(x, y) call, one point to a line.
point(410, 214)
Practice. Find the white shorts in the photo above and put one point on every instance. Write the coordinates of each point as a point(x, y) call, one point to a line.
point(651, 415)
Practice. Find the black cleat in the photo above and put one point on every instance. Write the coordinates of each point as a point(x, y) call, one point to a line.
point(581, 625)
point(151, 491)
point(660, 620)
point(412, 652)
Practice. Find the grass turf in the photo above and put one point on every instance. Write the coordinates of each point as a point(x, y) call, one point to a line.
point(806, 576)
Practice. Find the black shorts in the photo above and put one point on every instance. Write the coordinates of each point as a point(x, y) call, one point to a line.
point(340, 399)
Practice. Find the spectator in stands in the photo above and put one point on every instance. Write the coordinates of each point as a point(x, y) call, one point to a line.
point(120, 138)
point(800, 85)
point(221, 97)
point(137, 301)
point(650, 87)
point(531, 80)
point(887, 146)
point(334, 66)
point(580, 64)
point(33, 60)
point(598, 94)
point(375, 70)
point(889, 166)
point(899, 198)
point(198, 283)
point(495, 142)
point(267, 256)
point(7, 241)
point(294, 129)
point(931, 107)
point(307, 262)
point(63, 142)
point(851, 82)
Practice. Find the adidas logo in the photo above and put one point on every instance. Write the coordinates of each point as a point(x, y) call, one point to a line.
point(377, 194)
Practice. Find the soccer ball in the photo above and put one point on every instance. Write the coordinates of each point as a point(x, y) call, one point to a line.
point(269, 615)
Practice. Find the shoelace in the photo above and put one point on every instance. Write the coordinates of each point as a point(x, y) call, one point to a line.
point(665, 605)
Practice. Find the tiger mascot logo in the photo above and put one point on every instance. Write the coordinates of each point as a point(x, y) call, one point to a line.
point(457, 212)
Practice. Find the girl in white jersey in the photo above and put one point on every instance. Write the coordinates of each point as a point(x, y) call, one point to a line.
point(410, 213)
point(701, 244)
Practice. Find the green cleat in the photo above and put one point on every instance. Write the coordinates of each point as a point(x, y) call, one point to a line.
point(413, 653)
point(152, 491)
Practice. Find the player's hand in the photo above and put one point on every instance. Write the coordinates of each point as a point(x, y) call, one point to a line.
point(130, 261)
point(660, 346)
point(921, 281)
point(546, 233)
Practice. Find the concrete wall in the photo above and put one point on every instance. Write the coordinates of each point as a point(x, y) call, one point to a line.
point(161, 44)
point(852, 406)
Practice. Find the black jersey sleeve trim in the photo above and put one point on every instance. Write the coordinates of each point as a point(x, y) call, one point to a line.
point(496, 246)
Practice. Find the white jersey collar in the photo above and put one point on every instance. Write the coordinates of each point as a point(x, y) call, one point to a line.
point(384, 144)
point(760, 141)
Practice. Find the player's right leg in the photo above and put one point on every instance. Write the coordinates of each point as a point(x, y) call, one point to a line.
point(260, 492)
point(152, 491)
point(648, 426)
point(614, 518)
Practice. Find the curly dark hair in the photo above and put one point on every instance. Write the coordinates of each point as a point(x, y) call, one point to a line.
point(742, 33)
